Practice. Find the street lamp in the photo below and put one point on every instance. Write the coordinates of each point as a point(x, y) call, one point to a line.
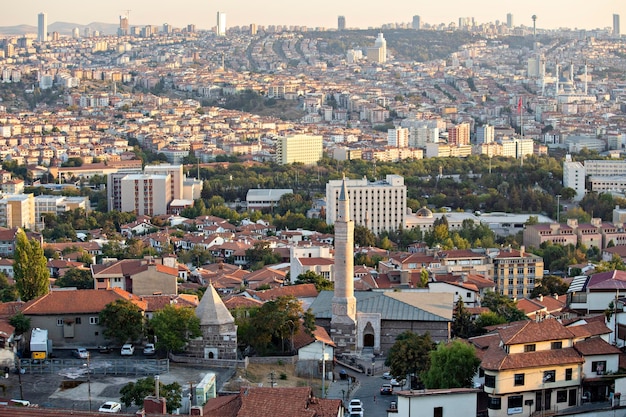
point(558, 207)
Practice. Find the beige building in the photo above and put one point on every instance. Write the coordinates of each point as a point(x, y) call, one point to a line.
point(18, 210)
point(146, 194)
point(305, 149)
point(516, 272)
point(176, 173)
point(379, 205)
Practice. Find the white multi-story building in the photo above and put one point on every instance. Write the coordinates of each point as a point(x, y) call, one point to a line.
point(306, 149)
point(221, 24)
point(146, 194)
point(517, 148)
point(398, 137)
point(379, 205)
point(176, 173)
point(18, 210)
point(485, 134)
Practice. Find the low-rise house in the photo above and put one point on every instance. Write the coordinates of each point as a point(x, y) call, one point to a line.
point(137, 276)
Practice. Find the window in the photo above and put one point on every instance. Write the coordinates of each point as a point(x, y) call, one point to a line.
point(490, 381)
point(494, 403)
point(519, 379)
point(549, 376)
point(59, 322)
point(94, 320)
point(557, 345)
point(438, 412)
point(568, 374)
point(599, 367)
point(515, 401)
point(529, 348)
point(561, 396)
point(77, 320)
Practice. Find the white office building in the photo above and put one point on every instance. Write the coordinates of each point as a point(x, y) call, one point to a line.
point(398, 137)
point(221, 24)
point(146, 194)
point(485, 134)
point(378, 205)
point(574, 174)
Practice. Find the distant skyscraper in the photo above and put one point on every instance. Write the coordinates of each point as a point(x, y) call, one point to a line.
point(123, 30)
point(221, 24)
point(42, 27)
point(341, 23)
point(379, 52)
point(253, 29)
point(509, 20)
point(616, 29)
point(417, 23)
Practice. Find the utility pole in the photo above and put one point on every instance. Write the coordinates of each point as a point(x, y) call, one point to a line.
point(323, 370)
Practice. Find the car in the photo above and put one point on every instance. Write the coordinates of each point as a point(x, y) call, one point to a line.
point(397, 382)
point(386, 389)
point(387, 375)
point(356, 412)
point(149, 349)
point(355, 402)
point(127, 350)
point(105, 349)
point(110, 407)
point(80, 353)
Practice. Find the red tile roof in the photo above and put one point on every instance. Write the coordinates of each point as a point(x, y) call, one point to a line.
point(78, 301)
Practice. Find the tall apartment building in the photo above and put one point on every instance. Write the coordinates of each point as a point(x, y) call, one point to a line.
point(459, 134)
point(509, 20)
point(221, 24)
point(176, 173)
point(146, 194)
point(306, 149)
point(379, 205)
point(124, 28)
point(398, 137)
point(18, 210)
point(516, 272)
point(378, 53)
point(517, 148)
point(417, 22)
point(114, 187)
point(341, 23)
point(616, 29)
point(42, 27)
point(574, 174)
point(485, 134)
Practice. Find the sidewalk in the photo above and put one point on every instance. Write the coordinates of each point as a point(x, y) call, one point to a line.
point(343, 389)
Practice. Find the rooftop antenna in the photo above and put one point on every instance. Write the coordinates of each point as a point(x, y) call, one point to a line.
point(534, 17)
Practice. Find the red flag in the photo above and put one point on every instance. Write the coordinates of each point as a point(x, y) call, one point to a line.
point(519, 105)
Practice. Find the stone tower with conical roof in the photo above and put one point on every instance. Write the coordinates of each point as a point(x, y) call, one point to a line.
point(343, 321)
point(219, 332)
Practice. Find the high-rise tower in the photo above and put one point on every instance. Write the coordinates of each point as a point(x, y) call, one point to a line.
point(221, 24)
point(341, 23)
point(42, 27)
point(509, 20)
point(124, 28)
point(343, 321)
point(616, 30)
point(417, 22)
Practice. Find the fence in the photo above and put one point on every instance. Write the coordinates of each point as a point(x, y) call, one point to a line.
point(75, 368)
point(212, 363)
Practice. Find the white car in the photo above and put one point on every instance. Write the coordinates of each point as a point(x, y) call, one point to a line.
point(149, 349)
point(355, 406)
point(127, 350)
point(356, 412)
point(110, 407)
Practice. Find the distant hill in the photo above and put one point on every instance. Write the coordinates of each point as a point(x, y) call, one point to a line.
point(64, 28)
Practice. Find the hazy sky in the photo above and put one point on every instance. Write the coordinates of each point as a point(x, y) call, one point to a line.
point(582, 14)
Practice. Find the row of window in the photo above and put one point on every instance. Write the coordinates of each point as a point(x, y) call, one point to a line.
point(78, 320)
point(516, 401)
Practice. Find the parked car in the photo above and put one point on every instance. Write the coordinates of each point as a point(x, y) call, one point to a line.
point(80, 353)
point(127, 350)
point(355, 402)
point(386, 389)
point(387, 375)
point(356, 412)
point(105, 349)
point(397, 382)
point(149, 349)
point(355, 408)
point(110, 407)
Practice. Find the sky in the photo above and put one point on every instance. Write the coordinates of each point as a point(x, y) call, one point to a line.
point(551, 14)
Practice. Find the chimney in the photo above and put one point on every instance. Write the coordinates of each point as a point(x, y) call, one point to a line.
point(540, 298)
point(556, 296)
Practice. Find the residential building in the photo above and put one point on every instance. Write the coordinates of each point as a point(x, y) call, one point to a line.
point(616, 29)
point(18, 210)
point(378, 53)
point(516, 272)
point(305, 149)
point(459, 134)
point(341, 23)
point(509, 20)
point(146, 194)
point(137, 276)
point(574, 174)
point(416, 23)
point(543, 365)
point(593, 294)
point(437, 402)
point(485, 134)
point(259, 199)
point(378, 205)
point(398, 137)
point(556, 233)
point(176, 174)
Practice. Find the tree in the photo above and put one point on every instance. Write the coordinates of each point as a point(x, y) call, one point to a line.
point(8, 292)
point(20, 322)
point(363, 236)
point(135, 392)
point(487, 319)
point(462, 325)
point(79, 278)
point(173, 327)
point(321, 283)
point(260, 255)
point(616, 263)
point(503, 306)
point(549, 285)
point(122, 321)
point(32, 277)
point(409, 355)
point(452, 365)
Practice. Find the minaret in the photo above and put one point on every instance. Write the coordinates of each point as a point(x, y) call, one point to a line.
point(343, 322)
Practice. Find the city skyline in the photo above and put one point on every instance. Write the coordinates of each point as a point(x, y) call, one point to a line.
point(551, 15)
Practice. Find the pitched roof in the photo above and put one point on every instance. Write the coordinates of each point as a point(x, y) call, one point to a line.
point(420, 306)
point(212, 310)
point(298, 291)
point(78, 301)
point(596, 346)
point(261, 401)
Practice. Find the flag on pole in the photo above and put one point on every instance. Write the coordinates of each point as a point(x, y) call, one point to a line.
point(519, 105)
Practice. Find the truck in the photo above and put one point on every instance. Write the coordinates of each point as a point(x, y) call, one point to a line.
point(40, 345)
